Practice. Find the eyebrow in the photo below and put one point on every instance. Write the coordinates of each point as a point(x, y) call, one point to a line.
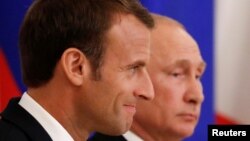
point(185, 64)
point(133, 64)
point(136, 63)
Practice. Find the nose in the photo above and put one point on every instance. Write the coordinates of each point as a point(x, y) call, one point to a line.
point(194, 93)
point(144, 88)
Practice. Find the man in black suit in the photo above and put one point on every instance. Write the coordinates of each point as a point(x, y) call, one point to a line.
point(175, 68)
point(84, 65)
point(18, 124)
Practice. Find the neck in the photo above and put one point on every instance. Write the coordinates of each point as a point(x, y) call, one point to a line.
point(77, 132)
point(62, 109)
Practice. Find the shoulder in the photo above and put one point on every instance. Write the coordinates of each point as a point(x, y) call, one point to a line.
point(9, 132)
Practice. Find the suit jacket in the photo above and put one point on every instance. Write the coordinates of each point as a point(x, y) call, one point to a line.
point(102, 137)
point(16, 124)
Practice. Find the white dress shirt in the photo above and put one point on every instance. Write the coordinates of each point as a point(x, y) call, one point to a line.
point(49, 123)
point(130, 136)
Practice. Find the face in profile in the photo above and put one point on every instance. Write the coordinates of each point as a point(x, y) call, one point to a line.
point(175, 69)
point(124, 77)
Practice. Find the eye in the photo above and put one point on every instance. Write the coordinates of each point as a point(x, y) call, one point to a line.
point(177, 74)
point(134, 69)
point(198, 76)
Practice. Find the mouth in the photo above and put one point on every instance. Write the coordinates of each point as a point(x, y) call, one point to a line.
point(130, 108)
point(190, 117)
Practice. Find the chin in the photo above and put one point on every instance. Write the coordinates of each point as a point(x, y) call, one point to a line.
point(119, 128)
point(185, 131)
point(114, 131)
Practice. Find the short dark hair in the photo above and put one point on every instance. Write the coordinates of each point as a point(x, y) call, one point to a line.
point(52, 26)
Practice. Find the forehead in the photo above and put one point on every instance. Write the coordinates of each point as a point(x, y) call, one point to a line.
point(173, 43)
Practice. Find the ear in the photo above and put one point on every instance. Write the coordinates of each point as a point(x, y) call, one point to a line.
point(74, 63)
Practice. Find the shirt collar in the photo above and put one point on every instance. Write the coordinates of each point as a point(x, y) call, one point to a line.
point(130, 136)
point(55, 130)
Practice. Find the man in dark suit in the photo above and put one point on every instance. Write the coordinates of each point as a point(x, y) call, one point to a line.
point(84, 65)
point(18, 124)
point(175, 68)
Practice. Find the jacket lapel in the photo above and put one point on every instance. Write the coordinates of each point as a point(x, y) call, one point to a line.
point(19, 117)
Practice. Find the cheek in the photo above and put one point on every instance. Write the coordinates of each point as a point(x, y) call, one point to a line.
point(165, 86)
point(168, 97)
point(105, 95)
point(121, 84)
point(118, 94)
point(164, 93)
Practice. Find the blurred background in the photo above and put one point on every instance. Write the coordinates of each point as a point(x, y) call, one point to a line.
point(221, 28)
